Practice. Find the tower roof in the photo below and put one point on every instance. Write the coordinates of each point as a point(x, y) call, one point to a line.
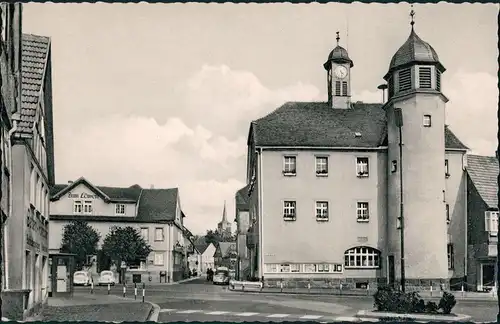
point(414, 50)
point(338, 55)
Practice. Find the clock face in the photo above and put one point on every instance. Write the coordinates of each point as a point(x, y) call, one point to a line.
point(340, 72)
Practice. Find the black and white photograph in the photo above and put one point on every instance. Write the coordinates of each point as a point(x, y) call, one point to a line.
point(260, 162)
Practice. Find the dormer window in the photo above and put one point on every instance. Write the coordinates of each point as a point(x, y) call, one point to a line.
point(427, 121)
point(438, 80)
point(404, 80)
point(425, 77)
point(120, 209)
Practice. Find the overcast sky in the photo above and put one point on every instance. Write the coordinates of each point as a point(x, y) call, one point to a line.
point(162, 94)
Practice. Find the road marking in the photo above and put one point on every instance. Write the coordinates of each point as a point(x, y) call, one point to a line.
point(166, 310)
point(348, 319)
point(278, 315)
point(216, 313)
point(311, 316)
point(247, 314)
point(189, 311)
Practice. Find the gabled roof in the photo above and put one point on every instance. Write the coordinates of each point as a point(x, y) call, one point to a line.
point(483, 172)
point(35, 56)
point(316, 124)
point(200, 244)
point(242, 199)
point(225, 247)
point(153, 205)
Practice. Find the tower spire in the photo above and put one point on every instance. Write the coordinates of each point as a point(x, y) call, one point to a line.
point(338, 38)
point(412, 14)
point(224, 215)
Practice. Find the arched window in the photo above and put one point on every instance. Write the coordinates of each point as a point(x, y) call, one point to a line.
point(362, 257)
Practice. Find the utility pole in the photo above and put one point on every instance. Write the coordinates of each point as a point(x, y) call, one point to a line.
point(498, 223)
point(398, 115)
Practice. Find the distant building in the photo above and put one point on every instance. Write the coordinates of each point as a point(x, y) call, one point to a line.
point(156, 213)
point(482, 219)
point(242, 227)
point(225, 255)
point(224, 226)
point(325, 179)
point(207, 254)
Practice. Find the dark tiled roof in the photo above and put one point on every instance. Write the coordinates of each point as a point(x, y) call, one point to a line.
point(35, 54)
point(483, 171)
point(158, 204)
point(242, 198)
point(316, 124)
point(200, 244)
point(226, 247)
point(154, 205)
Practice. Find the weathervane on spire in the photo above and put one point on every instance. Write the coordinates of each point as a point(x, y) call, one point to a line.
point(412, 14)
point(338, 38)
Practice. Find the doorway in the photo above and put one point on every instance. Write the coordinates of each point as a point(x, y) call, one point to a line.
point(391, 269)
point(488, 275)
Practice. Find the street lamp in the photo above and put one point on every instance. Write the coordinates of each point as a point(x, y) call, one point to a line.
point(398, 118)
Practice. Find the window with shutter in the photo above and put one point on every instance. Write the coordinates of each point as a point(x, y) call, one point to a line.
point(344, 88)
point(404, 80)
point(425, 77)
point(337, 88)
point(438, 80)
point(390, 83)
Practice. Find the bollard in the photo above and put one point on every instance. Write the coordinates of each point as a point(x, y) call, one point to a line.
point(124, 290)
point(242, 287)
point(261, 286)
point(367, 289)
point(143, 291)
point(341, 288)
point(109, 287)
point(135, 291)
point(431, 290)
point(463, 293)
point(309, 287)
point(232, 285)
point(92, 287)
point(281, 285)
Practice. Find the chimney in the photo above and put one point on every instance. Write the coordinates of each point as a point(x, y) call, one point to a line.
point(152, 186)
point(382, 87)
point(70, 182)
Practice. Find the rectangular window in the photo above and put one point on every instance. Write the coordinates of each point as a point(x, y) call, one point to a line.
point(394, 166)
point(362, 212)
point(337, 268)
point(87, 207)
point(289, 210)
point(448, 219)
point(309, 268)
point(337, 88)
point(427, 121)
point(404, 80)
point(321, 210)
point(491, 222)
point(321, 166)
point(159, 234)
point(294, 267)
point(446, 168)
point(451, 257)
point(159, 258)
point(145, 233)
point(284, 268)
point(344, 88)
point(270, 268)
point(290, 165)
point(425, 76)
point(362, 166)
point(77, 207)
point(120, 209)
point(323, 268)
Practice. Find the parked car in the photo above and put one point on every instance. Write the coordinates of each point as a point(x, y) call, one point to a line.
point(82, 278)
point(106, 278)
point(221, 276)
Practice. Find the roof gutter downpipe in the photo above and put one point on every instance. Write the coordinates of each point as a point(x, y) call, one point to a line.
point(261, 211)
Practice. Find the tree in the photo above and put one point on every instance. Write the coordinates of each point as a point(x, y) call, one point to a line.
point(213, 236)
point(81, 239)
point(125, 244)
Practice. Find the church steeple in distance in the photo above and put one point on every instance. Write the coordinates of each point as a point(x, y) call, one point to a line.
point(224, 227)
point(224, 214)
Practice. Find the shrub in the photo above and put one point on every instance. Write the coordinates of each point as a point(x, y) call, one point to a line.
point(431, 307)
point(447, 302)
point(382, 298)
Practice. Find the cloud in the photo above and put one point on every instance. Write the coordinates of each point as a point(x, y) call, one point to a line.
point(200, 148)
point(472, 109)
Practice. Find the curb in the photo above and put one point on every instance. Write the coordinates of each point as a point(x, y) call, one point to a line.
point(153, 313)
point(385, 316)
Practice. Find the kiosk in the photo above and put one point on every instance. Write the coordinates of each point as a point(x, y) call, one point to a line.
point(62, 268)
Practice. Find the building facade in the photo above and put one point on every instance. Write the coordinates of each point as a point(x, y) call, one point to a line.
point(225, 255)
point(325, 182)
point(242, 226)
point(482, 231)
point(155, 213)
point(32, 174)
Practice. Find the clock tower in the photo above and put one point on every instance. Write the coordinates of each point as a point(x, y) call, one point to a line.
point(338, 67)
